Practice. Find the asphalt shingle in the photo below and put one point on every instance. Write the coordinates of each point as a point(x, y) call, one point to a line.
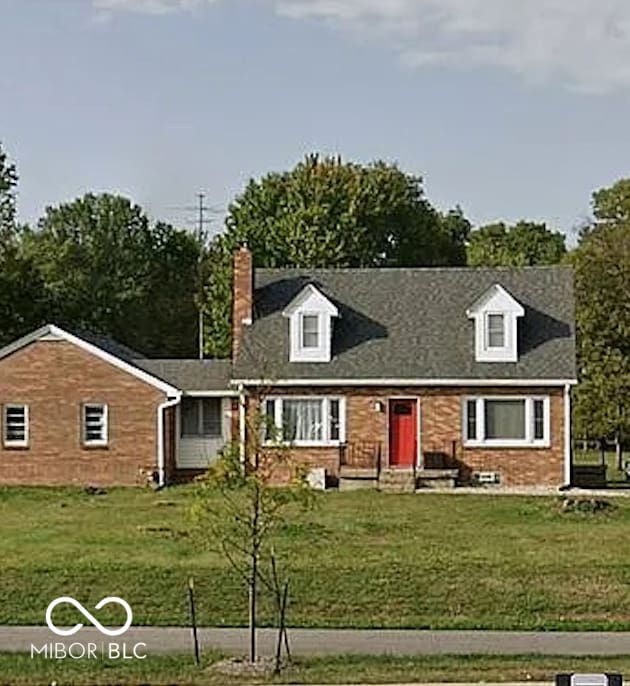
point(190, 375)
point(412, 324)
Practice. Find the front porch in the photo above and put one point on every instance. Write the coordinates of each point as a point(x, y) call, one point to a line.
point(362, 466)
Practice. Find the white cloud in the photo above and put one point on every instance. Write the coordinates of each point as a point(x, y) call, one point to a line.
point(146, 6)
point(583, 44)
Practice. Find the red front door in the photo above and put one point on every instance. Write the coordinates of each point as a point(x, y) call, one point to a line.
point(403, 433)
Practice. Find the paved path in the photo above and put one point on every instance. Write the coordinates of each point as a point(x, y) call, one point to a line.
point(342, 641)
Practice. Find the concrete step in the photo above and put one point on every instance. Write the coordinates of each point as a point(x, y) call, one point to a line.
point(437, 478)
point(346, 484)
point(397, 481)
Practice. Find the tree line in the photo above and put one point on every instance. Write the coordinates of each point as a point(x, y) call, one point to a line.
point(101, 264)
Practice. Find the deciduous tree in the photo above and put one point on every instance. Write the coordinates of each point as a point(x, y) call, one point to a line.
point(524, 244)
point(108, 269)
point(330, 213)
point(22, 294)
point(602, 279)
point(239, 508)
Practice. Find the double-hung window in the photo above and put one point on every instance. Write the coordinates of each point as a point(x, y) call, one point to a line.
point(495, 330)
point(309, 331)
point(201, 418)
point(506, 421)
point(95, 424)
point(15, 426)
point(305, 420)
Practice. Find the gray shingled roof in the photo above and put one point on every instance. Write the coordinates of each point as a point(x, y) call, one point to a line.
point(190, 375)
point(412, 324)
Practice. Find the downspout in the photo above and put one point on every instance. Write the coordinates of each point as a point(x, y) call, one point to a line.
point(242, 433)
point(567, 436)
point(160, 437)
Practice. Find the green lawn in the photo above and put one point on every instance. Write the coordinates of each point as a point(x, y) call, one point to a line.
point(358, 560)
point(169, 670)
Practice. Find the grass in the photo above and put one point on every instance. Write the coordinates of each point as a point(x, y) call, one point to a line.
point(20, 670)
point(358, 560)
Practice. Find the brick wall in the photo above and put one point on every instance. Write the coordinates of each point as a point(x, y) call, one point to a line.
point(441, 423)
point(54, 378)
point(441, 432)
point(243, 286)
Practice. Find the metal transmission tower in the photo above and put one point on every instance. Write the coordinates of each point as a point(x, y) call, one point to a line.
point(200, 223)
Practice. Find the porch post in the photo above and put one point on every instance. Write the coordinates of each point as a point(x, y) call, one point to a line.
point(567, 434)
point(242, 430)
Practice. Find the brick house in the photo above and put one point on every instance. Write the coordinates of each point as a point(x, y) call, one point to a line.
point(412, 377)
point(389, 377)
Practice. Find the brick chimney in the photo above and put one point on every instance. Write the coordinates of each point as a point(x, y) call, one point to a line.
point(242, 293)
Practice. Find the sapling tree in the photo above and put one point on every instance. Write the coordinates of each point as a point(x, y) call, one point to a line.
point(239, 508)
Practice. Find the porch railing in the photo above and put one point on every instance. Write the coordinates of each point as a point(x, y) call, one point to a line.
point(440, 455)
point(361, 455)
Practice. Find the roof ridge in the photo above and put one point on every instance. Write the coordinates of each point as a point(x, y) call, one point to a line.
point(307, 270)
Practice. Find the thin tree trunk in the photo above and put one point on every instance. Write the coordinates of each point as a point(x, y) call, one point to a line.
point(252, 608)
point(618, 450)
point(285, 600)
point(253, 585)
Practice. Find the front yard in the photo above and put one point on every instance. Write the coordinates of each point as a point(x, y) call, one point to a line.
point(357, 560)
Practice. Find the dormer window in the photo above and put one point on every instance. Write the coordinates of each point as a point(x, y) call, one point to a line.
point(310, 316)
point(310, 331)
point(496, 315)
point(495, 330)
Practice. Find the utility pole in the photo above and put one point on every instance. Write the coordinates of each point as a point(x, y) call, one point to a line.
point(201, 238)
point(200, 222)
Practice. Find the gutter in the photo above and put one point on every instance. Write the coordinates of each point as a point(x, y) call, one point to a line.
point(406, 382)
point(160, 437)
point(568, 453)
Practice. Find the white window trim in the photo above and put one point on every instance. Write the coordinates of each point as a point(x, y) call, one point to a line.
point(321, 353)
point(506, 353)
point(325, 442)
point(201, 436)
point(504, 319)
point(528, 442)
point(101, 442)
point(21, 443)
point(310, 301)
point(306, 350)
point(496, 300)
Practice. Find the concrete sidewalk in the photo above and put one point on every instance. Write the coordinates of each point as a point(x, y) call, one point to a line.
point(341, 641)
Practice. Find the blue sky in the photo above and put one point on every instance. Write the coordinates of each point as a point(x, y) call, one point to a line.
point(510, 109)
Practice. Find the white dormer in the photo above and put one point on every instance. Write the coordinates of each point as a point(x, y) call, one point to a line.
point(310, 316)
point(496, 314)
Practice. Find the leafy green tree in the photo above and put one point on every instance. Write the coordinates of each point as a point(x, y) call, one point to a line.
point(522, 245)
point(8, 185)
point(330, 213)
point(22, 294)
point(109, 270)
point(602, 280)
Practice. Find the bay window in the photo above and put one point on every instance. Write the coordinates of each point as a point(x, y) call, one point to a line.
point(506, 421)
point(305, 420)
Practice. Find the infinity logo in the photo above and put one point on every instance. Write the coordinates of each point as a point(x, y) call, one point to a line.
point(89, 616)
